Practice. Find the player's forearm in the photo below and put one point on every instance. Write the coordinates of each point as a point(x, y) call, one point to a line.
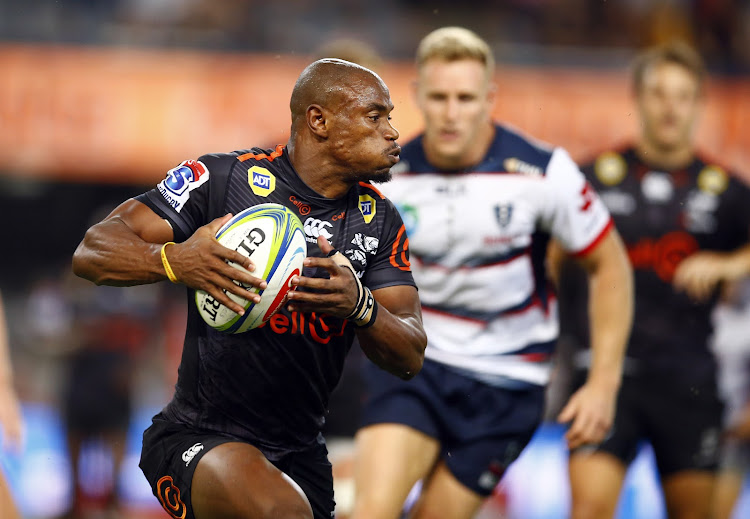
point(112, 254)
point(611, 317)
point(6, 372)
point(739, 263)
point(395, 343)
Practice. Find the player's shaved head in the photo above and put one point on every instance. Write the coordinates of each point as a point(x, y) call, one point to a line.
point(328, 82)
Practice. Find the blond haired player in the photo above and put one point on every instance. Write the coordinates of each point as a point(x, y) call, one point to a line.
point(480, 201)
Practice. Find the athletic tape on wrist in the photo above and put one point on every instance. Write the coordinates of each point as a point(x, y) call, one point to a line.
point(366, 308)
point(165, 262)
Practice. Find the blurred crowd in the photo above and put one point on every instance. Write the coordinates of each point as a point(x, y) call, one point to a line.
point(526, 31)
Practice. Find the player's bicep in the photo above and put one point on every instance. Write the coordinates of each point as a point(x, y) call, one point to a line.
point(556, 256)
point(609, 250)
point(142, 221)
point(400, 300)
point(574, 213)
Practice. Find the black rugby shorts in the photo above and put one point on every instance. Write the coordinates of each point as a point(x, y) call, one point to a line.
point(682, 424)
point(171, 452)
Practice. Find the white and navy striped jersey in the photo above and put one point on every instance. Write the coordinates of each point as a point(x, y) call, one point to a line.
point(478, 241)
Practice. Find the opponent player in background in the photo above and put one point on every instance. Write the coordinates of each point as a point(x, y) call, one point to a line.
point(731, 345)
point(11, 421)
point(685, 222)
point(480, 202)
point(241, 436)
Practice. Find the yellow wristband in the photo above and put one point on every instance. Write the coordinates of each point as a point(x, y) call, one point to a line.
point(165, 262)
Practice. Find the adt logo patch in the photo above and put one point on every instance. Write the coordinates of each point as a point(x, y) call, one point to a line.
point(261, 181)
point(367, 207)
point(181, 180)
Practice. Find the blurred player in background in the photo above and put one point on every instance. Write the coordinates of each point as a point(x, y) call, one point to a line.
point(113, 326)
point(731, 345)
point(480, 201)
point(11, 421)
point(242, 435)
point(685, 221)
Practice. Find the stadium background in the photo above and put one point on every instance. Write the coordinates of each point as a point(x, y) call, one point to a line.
point(98, 99)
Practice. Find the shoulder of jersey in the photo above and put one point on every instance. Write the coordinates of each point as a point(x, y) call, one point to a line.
point(367, 189)
point(219, 161)
point(260, 154)
point(520, 153)
point(610, 167)
point(712, 178)
point(370, 201)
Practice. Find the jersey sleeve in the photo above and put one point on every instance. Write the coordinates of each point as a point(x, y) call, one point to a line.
point(183, 197)
point(390, 265)
point(734, 215)
point(573, 212)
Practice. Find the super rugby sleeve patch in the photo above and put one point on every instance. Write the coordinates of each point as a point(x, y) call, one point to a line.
point(180, 181)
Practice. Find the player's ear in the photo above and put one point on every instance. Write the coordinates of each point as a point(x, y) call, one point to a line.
point(317, 120)
point(491, 94)
point(415, 92)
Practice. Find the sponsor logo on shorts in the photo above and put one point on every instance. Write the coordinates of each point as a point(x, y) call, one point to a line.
point(708, 450)
point(180, 181)
point(169, 497)
point(491, 477)
point(261, 181)
point(367, 207)
point(189, 454)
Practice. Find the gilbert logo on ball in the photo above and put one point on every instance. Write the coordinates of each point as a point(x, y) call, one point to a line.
point(273, 237)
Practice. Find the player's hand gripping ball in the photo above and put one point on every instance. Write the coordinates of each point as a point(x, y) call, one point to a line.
point(273, 237)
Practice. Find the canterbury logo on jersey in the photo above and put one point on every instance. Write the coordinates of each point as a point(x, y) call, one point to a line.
point(315, 228)
point(189, 454)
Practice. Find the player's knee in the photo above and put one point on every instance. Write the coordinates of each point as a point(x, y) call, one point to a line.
point(376, 506)
point(592, 508)
point(288, 510)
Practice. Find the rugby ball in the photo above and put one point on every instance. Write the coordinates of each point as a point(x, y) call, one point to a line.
point(273, 237)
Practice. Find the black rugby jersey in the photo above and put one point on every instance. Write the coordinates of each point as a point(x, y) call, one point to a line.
point(663, 217)
point(271, 385)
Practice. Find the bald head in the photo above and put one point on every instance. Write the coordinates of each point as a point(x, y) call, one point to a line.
point(329, 82)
